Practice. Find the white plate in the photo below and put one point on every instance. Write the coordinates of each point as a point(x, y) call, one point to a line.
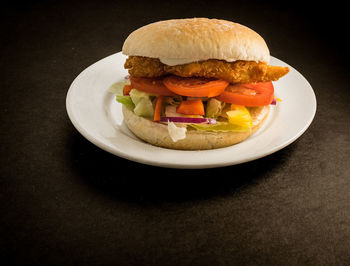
point(98, 117)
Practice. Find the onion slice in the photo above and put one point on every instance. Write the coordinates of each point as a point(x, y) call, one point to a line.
point(192, 120)
point(274, 101)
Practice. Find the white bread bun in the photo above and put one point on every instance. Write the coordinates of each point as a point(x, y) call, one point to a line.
point(157, 133)
point(197, 39)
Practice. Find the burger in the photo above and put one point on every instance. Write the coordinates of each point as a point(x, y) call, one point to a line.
point(197, 83)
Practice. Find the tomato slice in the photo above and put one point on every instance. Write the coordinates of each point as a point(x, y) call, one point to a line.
point(250, 94)
point(195, 86)
point(151, 85)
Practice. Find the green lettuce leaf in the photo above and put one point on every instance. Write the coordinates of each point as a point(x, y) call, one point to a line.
point(126, 100)
point(137, 96)
point(144, 108)
point(143, 103)
point(117, 88)
point(139, 102)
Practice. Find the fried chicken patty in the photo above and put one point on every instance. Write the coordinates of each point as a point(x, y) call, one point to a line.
point(234, 72)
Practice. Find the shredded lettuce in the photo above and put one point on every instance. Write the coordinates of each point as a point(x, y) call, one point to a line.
point(139, 102)
point(137, 95)
point(144, 108)
point(126, 100)
point(143, 103)
point(117, 88)
point(220, 127)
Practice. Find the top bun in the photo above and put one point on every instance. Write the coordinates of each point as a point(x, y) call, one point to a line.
point(197, 39)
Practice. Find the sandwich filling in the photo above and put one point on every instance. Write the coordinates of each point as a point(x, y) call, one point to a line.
point(212, 95)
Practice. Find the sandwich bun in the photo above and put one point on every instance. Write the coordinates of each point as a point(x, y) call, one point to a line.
point(197, 39)
point(157, 133)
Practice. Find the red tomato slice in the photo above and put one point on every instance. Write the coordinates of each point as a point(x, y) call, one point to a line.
point(250, 94)
point(195, 86)
point(151, 85)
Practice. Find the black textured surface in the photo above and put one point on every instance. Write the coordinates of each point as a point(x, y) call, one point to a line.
point(65, 201)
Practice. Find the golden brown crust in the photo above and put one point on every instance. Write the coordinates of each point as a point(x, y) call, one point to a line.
point(234, 72)
point(157, 133)
point(147, 67)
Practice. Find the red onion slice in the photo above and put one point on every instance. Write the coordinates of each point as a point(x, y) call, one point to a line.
point(274, 101)
point(192, 120)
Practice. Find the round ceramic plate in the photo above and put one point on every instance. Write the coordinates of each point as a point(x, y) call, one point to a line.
point(95, 113)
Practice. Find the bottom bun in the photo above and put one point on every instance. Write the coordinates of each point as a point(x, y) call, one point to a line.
point(157, 133)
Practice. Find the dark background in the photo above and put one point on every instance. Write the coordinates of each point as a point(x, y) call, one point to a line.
point(65, 201)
